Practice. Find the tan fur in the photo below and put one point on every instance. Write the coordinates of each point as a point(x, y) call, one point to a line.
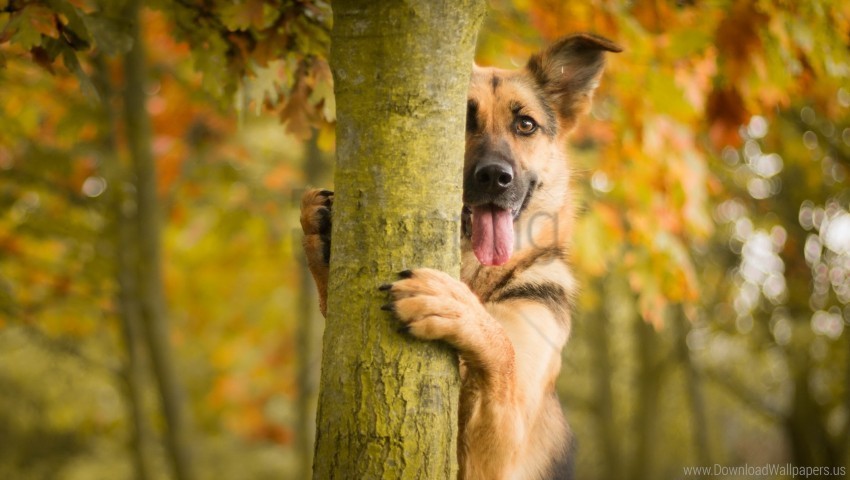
point(312, 203)
point(509, 323)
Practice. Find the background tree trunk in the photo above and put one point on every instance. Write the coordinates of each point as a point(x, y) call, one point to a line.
point(599, 329)
point(693, 390)
point(388, 403)
point(649, 381)
point(151, 295)
point(122, 235)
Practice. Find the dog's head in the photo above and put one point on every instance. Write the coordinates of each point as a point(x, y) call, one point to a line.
point(516, 127)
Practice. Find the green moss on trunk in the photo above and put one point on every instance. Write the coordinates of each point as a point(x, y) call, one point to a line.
point(388, 403)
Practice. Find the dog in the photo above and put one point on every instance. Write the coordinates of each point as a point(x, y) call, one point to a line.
point(509, 317)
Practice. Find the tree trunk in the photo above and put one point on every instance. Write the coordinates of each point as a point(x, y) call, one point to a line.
point(811, 444)
point(122, 233)
point(693, 386)
point(599, 327)
point(309, 329)
point(388, 403)
point(646, 410)
point(845, 444)
point(151, 295)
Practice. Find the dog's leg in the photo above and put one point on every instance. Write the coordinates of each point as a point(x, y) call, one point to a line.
point(316, 207)
point(434, 306)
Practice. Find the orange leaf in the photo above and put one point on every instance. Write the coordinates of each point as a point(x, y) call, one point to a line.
point(43, 20)
point(726, 112)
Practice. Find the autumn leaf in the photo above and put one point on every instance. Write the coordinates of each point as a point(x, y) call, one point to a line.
point(42, 20)
point(738, 38)
point(725, 113)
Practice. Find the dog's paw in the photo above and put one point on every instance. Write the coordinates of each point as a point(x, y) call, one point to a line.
point(316, 206)
point(430, 304)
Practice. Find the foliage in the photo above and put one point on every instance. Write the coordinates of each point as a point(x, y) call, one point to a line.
point(274, 52)
point(225, 191)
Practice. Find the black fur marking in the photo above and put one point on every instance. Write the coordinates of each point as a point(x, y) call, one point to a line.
point(552, 295)
point(466, 222)
point(549, 253)
point(532, 186)
point(495, 82)
point(326, 248)
point(472, 116)
point(551, 127)
point(324, 214)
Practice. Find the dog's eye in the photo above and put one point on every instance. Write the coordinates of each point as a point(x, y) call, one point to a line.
point(525, 125)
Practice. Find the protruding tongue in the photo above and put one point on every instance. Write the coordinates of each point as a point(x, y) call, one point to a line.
point(492, 235)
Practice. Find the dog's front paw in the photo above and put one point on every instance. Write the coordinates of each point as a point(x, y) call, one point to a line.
point(431, 305)
point(316, 207)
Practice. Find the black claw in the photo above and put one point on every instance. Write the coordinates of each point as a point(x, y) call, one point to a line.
point(388, 307)
point(385, 286)
point(403, 329)
point(405, 274)
point(326, 193)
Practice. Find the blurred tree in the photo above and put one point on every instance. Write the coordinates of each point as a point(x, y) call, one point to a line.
point(122, 233)
point(72, 32)
point(388, 404)
point(147, 244)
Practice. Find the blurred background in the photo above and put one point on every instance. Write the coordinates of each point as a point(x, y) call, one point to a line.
point(713, 243)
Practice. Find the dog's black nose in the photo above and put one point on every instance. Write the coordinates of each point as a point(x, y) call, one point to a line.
point(494, 176)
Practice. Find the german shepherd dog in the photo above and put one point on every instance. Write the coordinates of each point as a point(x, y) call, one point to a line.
point(510, 316)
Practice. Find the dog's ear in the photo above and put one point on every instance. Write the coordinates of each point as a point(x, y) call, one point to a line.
point(569, 70)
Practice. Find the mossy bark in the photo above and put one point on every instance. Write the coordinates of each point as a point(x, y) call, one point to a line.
point(388, 403)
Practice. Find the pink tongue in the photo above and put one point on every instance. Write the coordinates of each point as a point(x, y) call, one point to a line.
point(492, 235)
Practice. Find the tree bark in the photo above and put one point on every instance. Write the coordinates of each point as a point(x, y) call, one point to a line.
point(151, 295)
point(388, 403)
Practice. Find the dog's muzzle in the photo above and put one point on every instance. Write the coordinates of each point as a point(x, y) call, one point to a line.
point(494, 196)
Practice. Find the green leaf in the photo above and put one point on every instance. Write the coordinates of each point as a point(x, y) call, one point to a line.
point(264, 84)
point(324, 92)
point(110, 34)
point(86, 85)
point(26, 36)
point(74, 17)
point(663, 90)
